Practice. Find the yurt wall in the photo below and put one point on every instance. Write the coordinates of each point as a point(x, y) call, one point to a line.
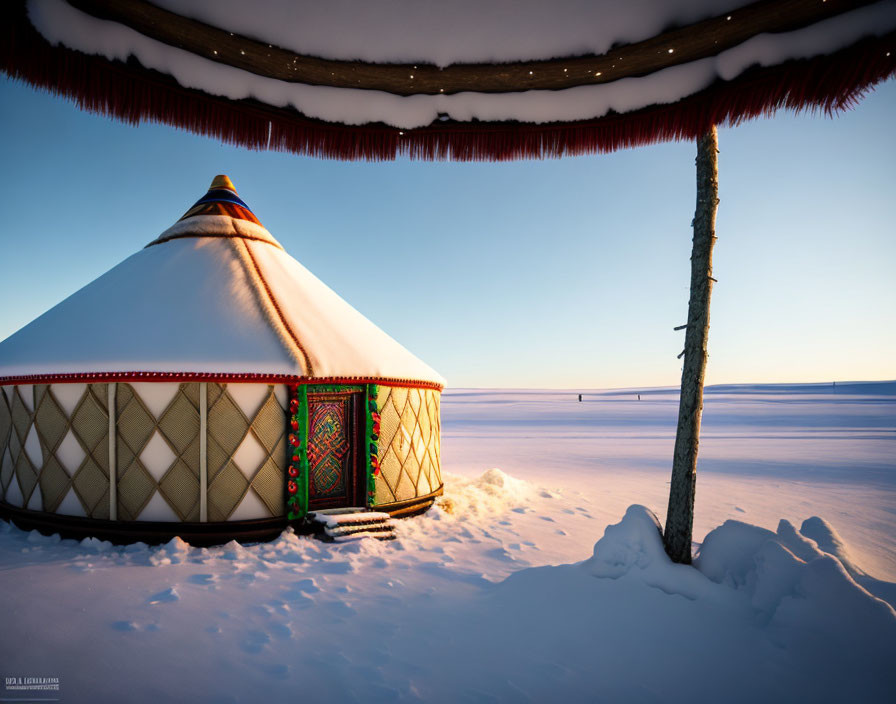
point(55, 439)
point(409, 444)
point(198, 452)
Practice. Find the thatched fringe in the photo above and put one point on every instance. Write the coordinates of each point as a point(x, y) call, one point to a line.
point(134, 94)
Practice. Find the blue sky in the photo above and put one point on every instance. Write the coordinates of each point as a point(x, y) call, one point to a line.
point(566, 273)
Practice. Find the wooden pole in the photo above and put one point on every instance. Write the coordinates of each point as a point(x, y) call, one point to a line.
point(680, 514)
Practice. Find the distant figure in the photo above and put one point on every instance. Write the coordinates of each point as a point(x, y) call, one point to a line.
point(580, 398)
point(639, 397)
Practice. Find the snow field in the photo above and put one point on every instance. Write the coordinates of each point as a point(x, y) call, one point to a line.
point(545, 579)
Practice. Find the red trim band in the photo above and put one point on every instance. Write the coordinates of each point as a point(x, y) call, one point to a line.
point(196, 235)
point(218, 377)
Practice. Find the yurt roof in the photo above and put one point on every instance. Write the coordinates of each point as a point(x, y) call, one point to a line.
point(465, 79)
point(214, 297)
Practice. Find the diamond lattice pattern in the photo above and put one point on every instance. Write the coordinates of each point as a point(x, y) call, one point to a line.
point(409, 444)
point(15, 466)
point(409, 448)
point(88, 427)
point(228, 425)
point(178, 427)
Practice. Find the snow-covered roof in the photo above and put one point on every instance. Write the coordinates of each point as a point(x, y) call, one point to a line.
point(214, 296)
point(464, 80)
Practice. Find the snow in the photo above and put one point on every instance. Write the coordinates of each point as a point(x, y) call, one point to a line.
point(187, 305)
point(443, 33)
point(542, 579)
point(338, 340)
point(183, 306)
point(337, 519)
point(60, 23)
point(223, 225)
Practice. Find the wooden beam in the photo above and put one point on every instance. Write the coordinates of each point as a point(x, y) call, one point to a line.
point(671, 48)
point(680, 513)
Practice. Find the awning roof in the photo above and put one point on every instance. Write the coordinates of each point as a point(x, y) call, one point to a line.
point(460, 80)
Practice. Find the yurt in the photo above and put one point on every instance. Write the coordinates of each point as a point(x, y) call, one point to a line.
point(211, 387)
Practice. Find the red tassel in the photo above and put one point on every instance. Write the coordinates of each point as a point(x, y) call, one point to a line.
point(134, 94)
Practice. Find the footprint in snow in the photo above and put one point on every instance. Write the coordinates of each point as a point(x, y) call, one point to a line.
point(297, 598)
point(337, 567)
point(255, 641)
point(341, 609)
point(298, 592)
point(307, 585)
point(501, 554)
point(281, 630)
point(124, 626)
point(548, 519)
point(164, 597)
point(131, 626)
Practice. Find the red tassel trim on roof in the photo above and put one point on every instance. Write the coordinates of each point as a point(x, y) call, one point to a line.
point(135, 94)
point(294, 382)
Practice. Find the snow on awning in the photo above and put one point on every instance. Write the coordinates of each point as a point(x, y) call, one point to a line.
point(461, 80)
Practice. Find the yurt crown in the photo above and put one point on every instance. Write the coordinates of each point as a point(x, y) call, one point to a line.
point(222, 181)
point(219, 213)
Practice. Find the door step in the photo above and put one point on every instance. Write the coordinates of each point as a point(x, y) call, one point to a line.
point(340, 525)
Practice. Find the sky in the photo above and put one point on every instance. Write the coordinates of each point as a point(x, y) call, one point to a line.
point(568, 273)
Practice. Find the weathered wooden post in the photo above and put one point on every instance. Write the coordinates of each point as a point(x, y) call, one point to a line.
point(680, 514)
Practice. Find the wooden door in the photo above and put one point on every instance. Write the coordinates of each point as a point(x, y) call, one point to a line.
point(336, 475)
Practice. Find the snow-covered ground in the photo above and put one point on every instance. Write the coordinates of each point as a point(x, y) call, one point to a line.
point(500, 593)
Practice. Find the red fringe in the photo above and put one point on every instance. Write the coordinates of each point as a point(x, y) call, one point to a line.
point(218, 377)
point(134, 94)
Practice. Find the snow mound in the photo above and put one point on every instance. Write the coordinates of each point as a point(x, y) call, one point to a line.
point(634, 547)
point(636, 541)
point(828, 541)
point(789, 578)
point(491, 492)
point(173, 552)
point(786, 578)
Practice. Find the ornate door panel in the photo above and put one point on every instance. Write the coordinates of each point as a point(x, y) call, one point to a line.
point(334, 450)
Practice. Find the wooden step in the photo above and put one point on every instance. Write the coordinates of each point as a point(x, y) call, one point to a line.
point(344, 524)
